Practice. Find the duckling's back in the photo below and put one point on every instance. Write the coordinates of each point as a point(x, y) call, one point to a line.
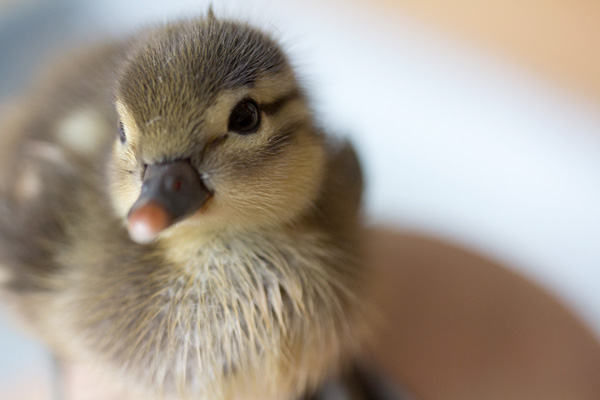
point(53, 143)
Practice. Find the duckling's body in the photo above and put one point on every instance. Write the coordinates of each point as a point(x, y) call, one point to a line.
point(249, 290)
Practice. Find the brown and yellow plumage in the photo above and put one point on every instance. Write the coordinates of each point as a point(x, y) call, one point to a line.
point(252, 292)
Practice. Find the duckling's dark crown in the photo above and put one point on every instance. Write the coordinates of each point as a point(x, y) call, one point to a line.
point(195, 60)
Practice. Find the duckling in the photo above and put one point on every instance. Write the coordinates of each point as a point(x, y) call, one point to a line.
point(173, 215)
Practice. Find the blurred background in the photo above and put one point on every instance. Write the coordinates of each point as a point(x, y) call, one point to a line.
point(478, 124)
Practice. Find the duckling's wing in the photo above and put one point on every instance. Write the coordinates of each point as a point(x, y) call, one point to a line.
point(341, 194)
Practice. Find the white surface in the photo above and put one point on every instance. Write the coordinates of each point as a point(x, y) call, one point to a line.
point(454, 142)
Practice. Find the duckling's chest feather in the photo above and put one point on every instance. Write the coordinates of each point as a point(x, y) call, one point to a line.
point(213, 316)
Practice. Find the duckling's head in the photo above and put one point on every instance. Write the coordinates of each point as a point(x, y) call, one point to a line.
point(214, 133)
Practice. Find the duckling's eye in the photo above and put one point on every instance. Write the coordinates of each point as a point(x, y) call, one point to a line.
point(122, 136)
point(245, 117)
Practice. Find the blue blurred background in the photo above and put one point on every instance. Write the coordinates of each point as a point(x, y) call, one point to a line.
point(489, 148)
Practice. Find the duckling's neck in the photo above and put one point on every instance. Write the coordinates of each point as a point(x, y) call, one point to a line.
point(190, 246)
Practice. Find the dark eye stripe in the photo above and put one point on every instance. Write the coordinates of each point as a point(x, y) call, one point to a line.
point(276, 105)
point(274, 147)
point(282, 139)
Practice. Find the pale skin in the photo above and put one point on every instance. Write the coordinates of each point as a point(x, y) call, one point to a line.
point(454, 326)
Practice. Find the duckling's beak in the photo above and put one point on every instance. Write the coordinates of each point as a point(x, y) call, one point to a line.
point(170, 192)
